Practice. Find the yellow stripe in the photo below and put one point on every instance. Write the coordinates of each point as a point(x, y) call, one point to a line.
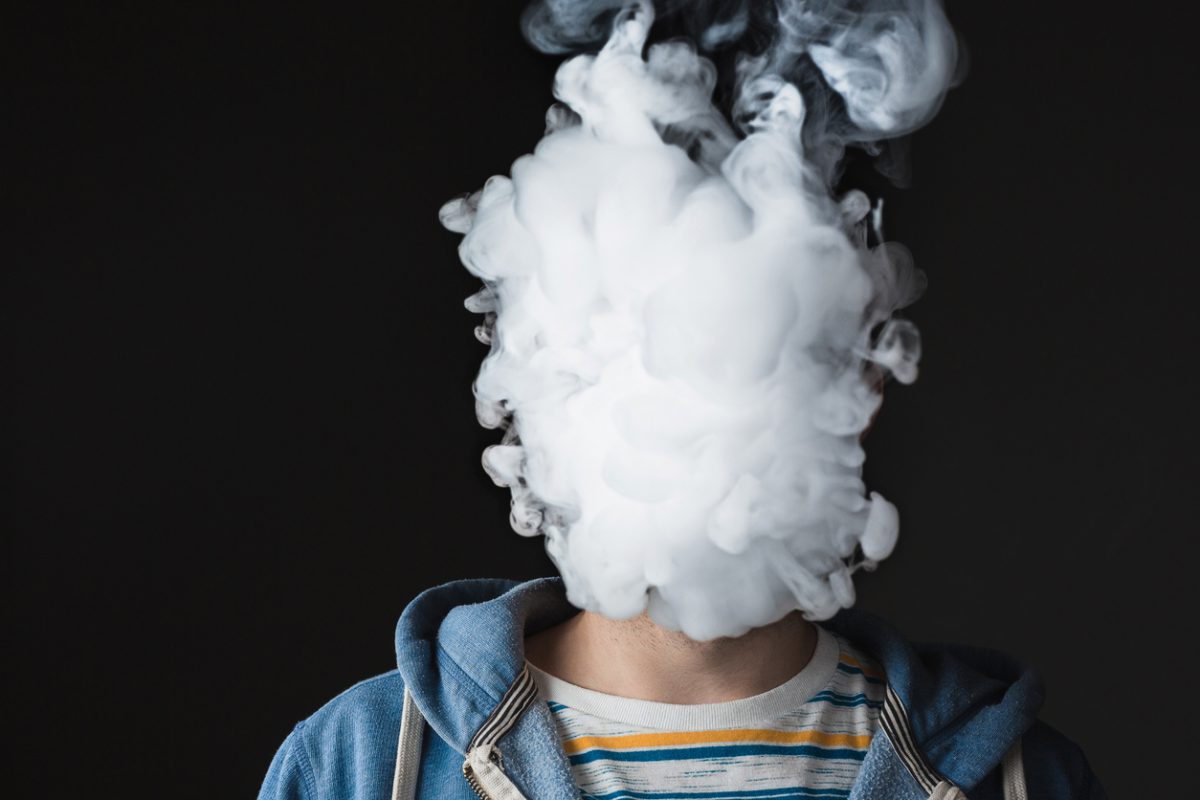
point(659, 740)
point(854, 662)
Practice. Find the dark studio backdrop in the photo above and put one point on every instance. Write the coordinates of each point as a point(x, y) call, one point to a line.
point(239, 436)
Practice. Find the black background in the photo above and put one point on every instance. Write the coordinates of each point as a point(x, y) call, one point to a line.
point(239, 433)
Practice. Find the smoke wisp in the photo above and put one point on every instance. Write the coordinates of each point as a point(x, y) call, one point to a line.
point(687, 329)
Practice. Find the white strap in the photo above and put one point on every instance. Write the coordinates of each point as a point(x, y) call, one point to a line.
point(1014, 774)
point(1014, 779)
point(408, 751)
point(945, 790)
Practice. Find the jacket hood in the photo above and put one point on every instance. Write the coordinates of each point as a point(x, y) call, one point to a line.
point(966, 705)
point(460, 648)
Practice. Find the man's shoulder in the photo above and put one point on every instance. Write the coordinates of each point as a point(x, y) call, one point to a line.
point(358, 727)
point(362, 720)
point(367, 698)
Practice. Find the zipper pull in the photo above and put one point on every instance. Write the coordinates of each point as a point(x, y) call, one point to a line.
point(484, 771)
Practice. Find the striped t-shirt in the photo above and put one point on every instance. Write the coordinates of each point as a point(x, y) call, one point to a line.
point(806, 738)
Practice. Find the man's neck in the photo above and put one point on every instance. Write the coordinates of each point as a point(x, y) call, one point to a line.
point(636, 658)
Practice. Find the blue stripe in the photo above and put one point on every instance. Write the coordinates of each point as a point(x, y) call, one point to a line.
point(556, 707)
point(788, 793)
point(856, 671)
point(719, 751)
point(846, 700)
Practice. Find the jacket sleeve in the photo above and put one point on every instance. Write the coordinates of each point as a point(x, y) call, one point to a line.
point(290, 776)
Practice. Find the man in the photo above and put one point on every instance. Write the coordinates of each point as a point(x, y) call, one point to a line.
point(687, 334)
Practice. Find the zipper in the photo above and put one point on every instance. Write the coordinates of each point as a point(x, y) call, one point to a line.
point(473, 779)
point(483, 768)
point(473, 782)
